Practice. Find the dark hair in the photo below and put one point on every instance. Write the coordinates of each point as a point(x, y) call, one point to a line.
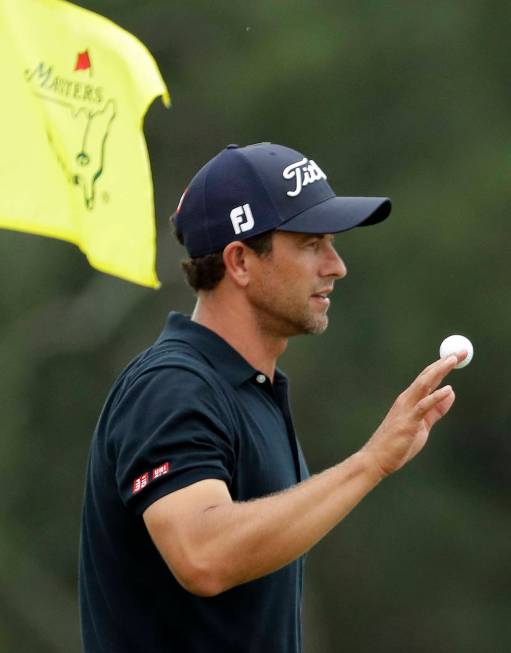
point(206, 272)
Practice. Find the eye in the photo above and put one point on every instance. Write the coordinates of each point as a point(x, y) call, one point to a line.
point(314, 243)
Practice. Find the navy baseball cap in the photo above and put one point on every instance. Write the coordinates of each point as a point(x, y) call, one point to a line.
point(245, 191)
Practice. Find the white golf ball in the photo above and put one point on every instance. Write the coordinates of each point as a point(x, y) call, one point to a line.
point(454, 344)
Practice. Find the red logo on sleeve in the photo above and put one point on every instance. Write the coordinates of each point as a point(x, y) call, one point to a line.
point(160, 471)
point(140, 482)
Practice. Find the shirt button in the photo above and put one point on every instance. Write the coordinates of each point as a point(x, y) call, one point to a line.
point(260, 378)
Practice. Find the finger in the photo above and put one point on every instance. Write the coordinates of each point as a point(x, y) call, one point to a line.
point(430, 378)
point(439, 410)
point(461, 355)
point(437, 403)
point(427, 369)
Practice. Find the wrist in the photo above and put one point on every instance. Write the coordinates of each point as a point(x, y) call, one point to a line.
point(369, 466)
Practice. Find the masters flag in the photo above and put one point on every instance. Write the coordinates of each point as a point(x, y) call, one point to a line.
point(73, 159)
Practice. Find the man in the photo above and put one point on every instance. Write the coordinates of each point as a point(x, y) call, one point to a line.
point(199, 506)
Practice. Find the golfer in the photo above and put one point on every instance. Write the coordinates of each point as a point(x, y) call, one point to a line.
point(198, 504)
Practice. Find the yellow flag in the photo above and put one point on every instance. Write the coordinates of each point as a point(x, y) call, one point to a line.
point(73, 161)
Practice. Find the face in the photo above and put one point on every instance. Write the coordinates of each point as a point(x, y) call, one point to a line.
point(288, 288)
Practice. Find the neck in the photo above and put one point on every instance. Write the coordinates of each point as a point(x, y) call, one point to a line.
point(238, 326)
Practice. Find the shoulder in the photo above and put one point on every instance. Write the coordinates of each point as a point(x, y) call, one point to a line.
point(175, 363)
point(171, 379)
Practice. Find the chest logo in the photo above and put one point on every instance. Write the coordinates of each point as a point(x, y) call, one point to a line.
point(303, 172)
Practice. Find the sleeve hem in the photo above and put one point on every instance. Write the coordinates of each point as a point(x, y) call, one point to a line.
point(172, 484)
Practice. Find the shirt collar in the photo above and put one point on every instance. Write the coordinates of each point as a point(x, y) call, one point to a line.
point(214, 348)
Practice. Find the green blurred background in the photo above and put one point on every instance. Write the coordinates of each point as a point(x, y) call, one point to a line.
point(405, 99)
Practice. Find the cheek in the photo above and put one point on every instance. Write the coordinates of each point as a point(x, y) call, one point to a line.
point(288, 278)
point(289, 287)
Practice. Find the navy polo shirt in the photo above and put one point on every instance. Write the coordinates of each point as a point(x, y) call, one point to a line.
point(187, 409)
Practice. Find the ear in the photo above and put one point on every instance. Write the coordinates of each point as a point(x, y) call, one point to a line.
point(235, 260)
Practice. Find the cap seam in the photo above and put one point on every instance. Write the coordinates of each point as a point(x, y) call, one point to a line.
point(206, 214)
point(261, 180)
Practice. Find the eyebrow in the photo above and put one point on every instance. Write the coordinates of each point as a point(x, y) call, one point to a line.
point(306, 236)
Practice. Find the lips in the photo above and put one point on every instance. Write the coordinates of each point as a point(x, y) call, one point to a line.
point(321, 297)
point(323, 293)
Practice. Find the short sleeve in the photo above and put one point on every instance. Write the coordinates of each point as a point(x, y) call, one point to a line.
point(169, 429)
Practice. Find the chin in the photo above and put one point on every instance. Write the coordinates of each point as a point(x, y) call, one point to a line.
point(316, 326)
point(288, 321)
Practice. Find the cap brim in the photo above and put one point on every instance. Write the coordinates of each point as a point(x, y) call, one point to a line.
point(339, 214)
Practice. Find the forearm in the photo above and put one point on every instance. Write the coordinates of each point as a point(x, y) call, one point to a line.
point(242, 541)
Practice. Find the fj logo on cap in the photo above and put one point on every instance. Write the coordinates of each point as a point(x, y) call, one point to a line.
point(304, 172)
point(242, 219)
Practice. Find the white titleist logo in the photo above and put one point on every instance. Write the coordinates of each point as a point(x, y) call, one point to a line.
point(305, 172)
point(242, 218)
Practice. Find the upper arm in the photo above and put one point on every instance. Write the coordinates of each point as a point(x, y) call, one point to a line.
point(169, 431)
point(174, 450)
point(176, 525)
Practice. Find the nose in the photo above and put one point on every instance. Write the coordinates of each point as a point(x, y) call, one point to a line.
point(334, 266)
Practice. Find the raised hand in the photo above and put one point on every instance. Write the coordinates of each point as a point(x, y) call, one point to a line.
point(405, 429)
